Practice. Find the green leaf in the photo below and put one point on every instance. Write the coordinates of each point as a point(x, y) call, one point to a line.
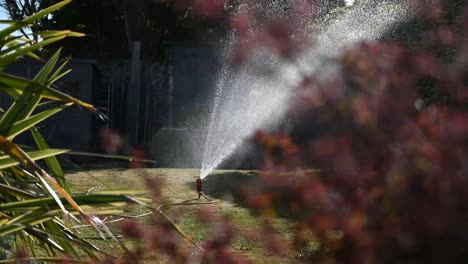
point(31, 96)
point(20, 52)
point(40, 227)
point(45, 12)
point(13, 45)
point(7, 161)
point(109, 156)
point(43, 75)
point(56, 33)
point(122, 192)
point(28, 219)
point(52, 162)
point(27, 123)
point(16, 191)
point(16, 86)
point(16, 25)
point(85, 245)
point(50, 204)
point(58, 73)
point(61, 75)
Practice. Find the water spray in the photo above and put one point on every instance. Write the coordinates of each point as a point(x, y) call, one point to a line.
point(255, 95)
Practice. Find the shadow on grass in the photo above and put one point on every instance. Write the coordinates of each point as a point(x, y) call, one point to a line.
point(226, 185)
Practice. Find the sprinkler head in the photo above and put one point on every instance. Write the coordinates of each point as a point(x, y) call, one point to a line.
point(199, 187)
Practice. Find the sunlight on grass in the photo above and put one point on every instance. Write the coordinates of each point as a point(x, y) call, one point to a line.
point(179, 186)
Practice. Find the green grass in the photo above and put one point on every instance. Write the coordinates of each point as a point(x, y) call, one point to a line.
point(178, 185)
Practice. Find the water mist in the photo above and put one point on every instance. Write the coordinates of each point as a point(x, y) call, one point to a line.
point(255, 95)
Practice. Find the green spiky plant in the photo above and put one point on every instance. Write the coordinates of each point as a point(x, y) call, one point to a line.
point(37, 210)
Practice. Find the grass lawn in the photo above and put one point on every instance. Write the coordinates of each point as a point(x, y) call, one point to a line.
point(178, 186)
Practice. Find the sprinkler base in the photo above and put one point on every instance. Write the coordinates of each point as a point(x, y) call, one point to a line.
point(200, 189)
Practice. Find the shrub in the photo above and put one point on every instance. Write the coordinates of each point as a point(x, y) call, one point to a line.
point(36, 206)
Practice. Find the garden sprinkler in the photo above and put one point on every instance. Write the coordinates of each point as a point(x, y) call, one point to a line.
point(199, 187)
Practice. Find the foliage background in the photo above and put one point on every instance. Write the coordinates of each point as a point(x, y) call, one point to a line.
point(393, 177)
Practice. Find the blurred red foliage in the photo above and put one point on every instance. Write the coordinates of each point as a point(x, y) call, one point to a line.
point(393, 178)
point(393, 158)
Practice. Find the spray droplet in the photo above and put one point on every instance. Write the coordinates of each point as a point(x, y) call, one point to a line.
point(255, 95)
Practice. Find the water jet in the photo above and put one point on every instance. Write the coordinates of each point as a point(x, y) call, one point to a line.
point(255, 95)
